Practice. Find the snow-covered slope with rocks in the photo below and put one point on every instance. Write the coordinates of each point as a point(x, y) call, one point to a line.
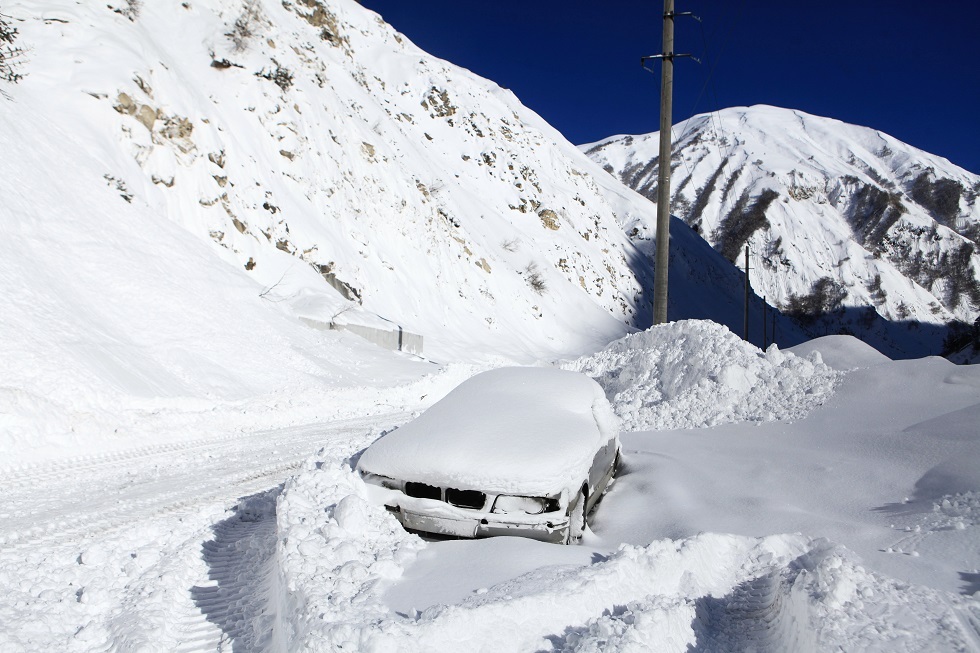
point(194, 192)
point(322, 153)
point(836, 216)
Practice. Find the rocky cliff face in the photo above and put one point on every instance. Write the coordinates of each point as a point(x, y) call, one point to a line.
point(841, 221)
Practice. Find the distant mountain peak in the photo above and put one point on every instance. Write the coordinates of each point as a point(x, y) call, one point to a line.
point(837, 216)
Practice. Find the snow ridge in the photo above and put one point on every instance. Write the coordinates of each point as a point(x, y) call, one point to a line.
point(693, 374)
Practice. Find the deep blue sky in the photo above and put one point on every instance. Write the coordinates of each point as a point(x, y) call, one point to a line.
point(910, 69)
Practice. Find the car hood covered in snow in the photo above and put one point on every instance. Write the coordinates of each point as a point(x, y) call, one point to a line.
point(509, 430)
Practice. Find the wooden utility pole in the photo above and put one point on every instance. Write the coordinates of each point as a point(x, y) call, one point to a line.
point(663, 168)
point(663, 175)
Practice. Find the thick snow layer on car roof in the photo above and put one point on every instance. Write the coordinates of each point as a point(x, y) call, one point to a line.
point(509, 430)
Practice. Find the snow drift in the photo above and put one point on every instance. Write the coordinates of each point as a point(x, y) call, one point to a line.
point(693, 374)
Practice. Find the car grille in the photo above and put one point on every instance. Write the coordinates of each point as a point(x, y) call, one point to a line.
point(423, 491)
point(472, 499)
point(466, 498)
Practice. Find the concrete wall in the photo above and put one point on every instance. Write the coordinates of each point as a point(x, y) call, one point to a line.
point(396, 339)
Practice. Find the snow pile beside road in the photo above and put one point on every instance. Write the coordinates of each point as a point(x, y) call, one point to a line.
point(339, 555)
point(334, 550)
point(693, 373)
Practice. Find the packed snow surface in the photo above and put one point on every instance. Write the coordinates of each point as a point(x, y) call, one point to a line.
point(200, 546)
point(693, 374)
point(532, 430)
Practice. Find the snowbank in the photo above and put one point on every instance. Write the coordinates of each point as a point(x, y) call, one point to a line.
point(338, 555)
point(841, 352)
point(692, 373)
point(334, 550)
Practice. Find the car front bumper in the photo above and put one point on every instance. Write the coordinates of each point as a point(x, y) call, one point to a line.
point(487, 526)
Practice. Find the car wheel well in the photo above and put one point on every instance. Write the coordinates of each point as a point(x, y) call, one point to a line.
point(578, 513)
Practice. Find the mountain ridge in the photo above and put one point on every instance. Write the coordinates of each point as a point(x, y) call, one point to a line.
point(893, 228)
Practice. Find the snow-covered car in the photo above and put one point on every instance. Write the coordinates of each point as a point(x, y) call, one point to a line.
point(521, 451)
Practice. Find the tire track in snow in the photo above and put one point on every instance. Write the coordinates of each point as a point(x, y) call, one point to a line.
point(969, 622)
point(33, 472)
point(242, 579)
point(760, 614)
point(114, 489)
point(154, 559)
point(108, 519)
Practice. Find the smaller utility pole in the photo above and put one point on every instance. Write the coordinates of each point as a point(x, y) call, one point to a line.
point(764, 334)
point(773, 330)
point(747, 290)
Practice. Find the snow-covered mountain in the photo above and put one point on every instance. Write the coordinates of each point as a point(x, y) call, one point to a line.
point(334, 162)
point(193, 192)
point(835, 215)
point(190, 191)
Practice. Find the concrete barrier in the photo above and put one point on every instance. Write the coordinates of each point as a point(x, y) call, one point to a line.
point(396, 338)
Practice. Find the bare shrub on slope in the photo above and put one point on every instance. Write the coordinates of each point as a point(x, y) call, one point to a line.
point(941, 197)
point(825, 296)
point(9, 54)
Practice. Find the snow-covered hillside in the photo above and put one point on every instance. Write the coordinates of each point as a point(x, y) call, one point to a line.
point(835, 216)
point(195, 191)
point(323, 154)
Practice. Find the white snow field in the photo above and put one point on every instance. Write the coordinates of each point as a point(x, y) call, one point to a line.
point(849, 519)
point(181, 221)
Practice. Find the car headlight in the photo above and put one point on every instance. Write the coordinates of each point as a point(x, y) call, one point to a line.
point(530, 505)
point(378, 479)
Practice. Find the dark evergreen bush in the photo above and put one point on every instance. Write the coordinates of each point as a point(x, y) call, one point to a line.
point(825, 296)
point(743, 221)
